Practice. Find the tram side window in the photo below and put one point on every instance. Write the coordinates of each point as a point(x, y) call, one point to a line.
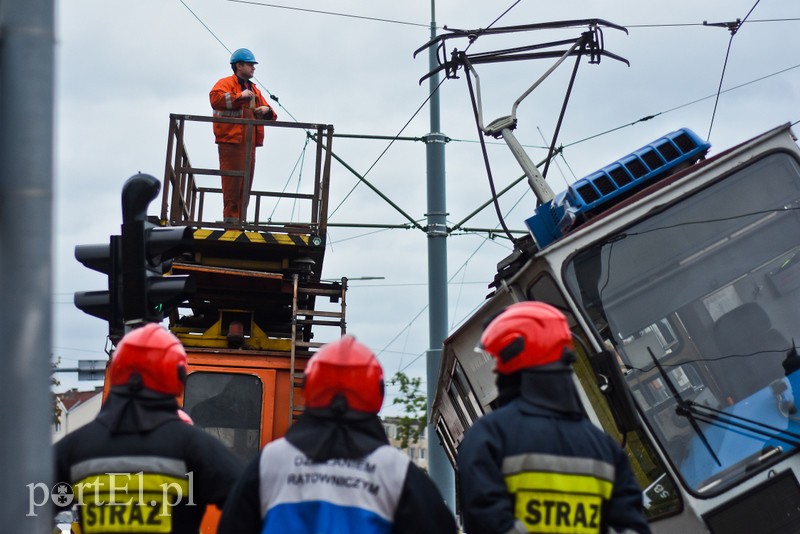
point(446, 439)
point(465, 392)
point(227, 406)
point(458, 406)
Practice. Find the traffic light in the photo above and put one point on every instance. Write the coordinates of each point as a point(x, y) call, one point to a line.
point(107, 304)
point(147, 253)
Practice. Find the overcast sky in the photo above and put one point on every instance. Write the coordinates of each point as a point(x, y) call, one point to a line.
point(123, 67)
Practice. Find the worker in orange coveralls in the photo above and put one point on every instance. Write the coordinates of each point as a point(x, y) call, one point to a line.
point(237, 97)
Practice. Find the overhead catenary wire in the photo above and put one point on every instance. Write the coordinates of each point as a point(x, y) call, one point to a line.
point(361, 177)
point(214, 35)
point(642, 26)
point(503, 191)
point(333, 13)
point(398, 138)
point(627, 124)
point(687, 24)
point(420, 355)
point(561, 151)
point(387, 148)
point(681, 106)
point(300, 161)
point(476, 114)
point(733, 28)
point(392, 139)
point(452, 277)
point(209, 30)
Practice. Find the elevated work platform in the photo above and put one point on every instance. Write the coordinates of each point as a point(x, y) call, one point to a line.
point(258, 281)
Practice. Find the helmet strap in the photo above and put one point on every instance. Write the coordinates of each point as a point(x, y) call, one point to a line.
point(512, 349)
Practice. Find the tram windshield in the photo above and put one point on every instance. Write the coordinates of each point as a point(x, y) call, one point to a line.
point(700, 301)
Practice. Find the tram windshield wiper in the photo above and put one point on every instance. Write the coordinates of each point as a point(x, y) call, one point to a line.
point(682, 407)
point(712, 416)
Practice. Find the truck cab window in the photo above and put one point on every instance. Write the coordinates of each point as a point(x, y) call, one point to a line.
point(227, 406)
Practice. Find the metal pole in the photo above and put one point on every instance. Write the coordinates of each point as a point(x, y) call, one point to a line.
point(26, 207)
point(439, 467)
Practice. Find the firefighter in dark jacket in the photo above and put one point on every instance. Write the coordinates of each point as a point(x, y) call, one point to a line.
point(335, 471)
point(537, 464)
point(138, 467)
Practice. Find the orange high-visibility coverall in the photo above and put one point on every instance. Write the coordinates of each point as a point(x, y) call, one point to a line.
point(231, 139)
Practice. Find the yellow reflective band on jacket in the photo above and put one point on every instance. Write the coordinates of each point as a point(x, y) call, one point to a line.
point(233, 114)
point(558, 494)
point(128, 465)
point(130, 502)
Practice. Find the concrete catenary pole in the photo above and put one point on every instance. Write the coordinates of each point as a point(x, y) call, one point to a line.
point(26, 207)
point(439, 467)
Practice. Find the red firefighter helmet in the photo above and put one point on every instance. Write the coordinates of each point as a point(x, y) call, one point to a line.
point(348, 368)
point(527, 335)
point(155, 355)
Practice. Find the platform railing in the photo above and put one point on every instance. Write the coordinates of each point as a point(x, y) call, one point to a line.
point(184, 199)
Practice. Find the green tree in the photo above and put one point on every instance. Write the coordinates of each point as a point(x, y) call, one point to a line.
point(415, 409)
point(55, 382)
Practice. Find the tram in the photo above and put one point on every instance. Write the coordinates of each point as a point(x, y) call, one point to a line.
point(679, 272)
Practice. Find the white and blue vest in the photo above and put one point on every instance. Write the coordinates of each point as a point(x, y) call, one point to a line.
point(357, 496)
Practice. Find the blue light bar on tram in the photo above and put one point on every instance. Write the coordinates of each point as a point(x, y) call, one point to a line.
point(613, 183)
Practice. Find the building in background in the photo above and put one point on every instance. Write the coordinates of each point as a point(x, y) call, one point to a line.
point(76, 409)
point(417, 452)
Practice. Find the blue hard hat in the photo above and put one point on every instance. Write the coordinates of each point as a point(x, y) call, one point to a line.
point(243, 54)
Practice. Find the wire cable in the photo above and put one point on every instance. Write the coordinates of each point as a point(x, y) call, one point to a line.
point(214, 35)
point(686, 24)
point(719, 88)
point(486, 157)
point(503, 14)
point(410, 323)
point(205, 26)
point(300, 162)
point(560, 150)
point(571, 84)
point(681, 106)
point(387, 147)
point(733, 29)
point(277, 100)
point(334, 13)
